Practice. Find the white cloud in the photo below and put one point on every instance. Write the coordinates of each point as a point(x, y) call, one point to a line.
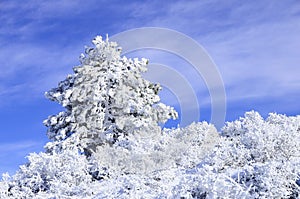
point(248, 41)
point(13, 154)
point(255, 45)
point(28, 70)
point(7, 148)
point(267, 53)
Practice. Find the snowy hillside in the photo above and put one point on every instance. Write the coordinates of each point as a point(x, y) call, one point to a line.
point(108, 143)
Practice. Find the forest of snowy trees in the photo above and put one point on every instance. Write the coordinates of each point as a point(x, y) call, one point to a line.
point(108, 143)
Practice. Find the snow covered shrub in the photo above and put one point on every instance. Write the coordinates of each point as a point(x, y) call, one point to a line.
point(190, 144)
point(172, 148)
point(63, 174)
point(276, 138)
point(4, 185)
point(261, 156)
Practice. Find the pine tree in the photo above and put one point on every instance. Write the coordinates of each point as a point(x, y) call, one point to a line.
point(106, 99)
point(107, 103)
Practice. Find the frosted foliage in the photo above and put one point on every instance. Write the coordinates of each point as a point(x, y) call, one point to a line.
point(277, 138)
point(262, 156)
point(105, 99)
point(56, 175)
point(231, 169)
point(108, 144)
point(172, 148)
point(190, 162)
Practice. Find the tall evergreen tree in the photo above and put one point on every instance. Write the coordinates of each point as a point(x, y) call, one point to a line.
point(105, 99)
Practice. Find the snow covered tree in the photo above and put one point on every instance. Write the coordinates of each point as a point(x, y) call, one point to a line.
point(107, 103)
point(108, 144)
point(106, 99)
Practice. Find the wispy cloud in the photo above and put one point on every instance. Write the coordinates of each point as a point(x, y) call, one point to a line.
point(29, 70)
point(40, 42)
point(255, 45)
point(6, 148)
point(263, 55)
point(249, 42)
point(13, 154)
point(27, 19)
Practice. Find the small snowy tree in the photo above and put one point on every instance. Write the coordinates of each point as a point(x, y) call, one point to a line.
point(106, 99)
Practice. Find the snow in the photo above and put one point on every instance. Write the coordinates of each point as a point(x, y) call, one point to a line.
point(108, 143)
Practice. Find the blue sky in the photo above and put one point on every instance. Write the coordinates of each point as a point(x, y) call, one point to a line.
point(254, 45)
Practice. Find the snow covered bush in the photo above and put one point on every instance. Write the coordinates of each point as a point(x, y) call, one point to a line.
point(172, 148)
point(261, 156)
point(63, 174)
point(276, 138)
point(4, 185)
point(108, 144)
